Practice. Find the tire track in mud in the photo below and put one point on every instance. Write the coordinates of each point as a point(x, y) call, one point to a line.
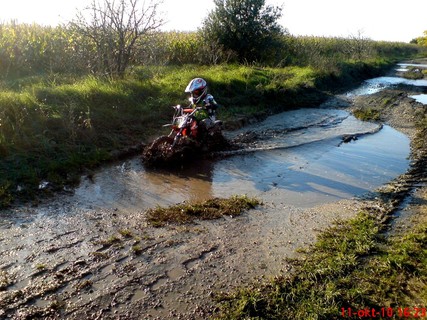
point(174, 272)
point(114, 270)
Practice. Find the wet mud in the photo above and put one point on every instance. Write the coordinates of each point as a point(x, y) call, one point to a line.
point(92, 254)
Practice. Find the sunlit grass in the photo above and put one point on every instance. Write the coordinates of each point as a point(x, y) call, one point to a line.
point(367, 114)
point(206, 210)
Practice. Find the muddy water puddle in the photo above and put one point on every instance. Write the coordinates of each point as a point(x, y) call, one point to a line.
point(299, 154)
point(297, 158)
point(375, 85)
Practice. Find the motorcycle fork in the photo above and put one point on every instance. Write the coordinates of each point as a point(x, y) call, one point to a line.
point(177, 138)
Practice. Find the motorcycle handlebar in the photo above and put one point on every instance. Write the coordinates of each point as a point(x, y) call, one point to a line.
point(178, 106)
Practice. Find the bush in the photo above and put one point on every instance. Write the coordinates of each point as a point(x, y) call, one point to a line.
point(247, 27)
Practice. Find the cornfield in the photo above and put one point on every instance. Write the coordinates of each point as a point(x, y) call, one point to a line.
point(327, 54)
point(33, 49)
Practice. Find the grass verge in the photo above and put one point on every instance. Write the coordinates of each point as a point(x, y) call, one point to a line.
point(351, 267)
point(367, 114)
point(206, 210)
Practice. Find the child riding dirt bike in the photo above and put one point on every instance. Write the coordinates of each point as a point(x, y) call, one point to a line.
point(199, 97)
point(195, 129)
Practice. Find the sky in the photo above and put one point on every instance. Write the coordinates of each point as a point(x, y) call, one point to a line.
point(388, 20)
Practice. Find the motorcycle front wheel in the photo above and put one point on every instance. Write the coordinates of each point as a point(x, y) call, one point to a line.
point(159, 151)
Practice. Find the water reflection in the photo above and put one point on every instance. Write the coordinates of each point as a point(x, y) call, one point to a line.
point(321, 171)
point(406, 65)
point(421, 98)
point(377, 84)
point(129, 184)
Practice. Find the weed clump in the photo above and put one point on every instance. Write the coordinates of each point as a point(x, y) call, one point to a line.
point(367, 114)
point(207, 210)
point(414, 73)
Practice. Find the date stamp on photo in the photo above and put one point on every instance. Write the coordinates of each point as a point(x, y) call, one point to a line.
point(389, 312)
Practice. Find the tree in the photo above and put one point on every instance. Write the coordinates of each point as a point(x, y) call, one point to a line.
point(247, 27)
point(423, 40)
point(358, 46)
point(113, 28)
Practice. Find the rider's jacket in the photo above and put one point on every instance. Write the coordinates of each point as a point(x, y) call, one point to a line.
point(209, 106)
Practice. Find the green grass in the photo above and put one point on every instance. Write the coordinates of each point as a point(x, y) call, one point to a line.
point(350, 266)
point(414, 73)
point(367, 114)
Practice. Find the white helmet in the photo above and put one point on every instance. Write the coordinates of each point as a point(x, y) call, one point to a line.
point(198, 89)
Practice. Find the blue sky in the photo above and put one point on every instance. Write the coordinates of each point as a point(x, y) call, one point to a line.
point(385, 20)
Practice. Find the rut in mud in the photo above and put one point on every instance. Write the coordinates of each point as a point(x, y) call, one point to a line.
point(92, 254)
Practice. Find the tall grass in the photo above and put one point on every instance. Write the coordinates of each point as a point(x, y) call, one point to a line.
point(28, 49)
point(50, 131)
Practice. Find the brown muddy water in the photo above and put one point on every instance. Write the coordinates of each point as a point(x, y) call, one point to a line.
point(298, 155)
point(90, 254)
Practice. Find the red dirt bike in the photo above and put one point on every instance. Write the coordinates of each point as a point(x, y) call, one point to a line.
point(188, 138)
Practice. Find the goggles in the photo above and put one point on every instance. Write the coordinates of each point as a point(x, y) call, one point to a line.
point(197, 92)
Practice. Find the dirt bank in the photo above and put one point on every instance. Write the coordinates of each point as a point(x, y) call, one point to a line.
point(109, 263)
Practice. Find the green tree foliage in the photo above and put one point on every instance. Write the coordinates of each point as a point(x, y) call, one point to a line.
point(247, 27)
point(423, 40)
